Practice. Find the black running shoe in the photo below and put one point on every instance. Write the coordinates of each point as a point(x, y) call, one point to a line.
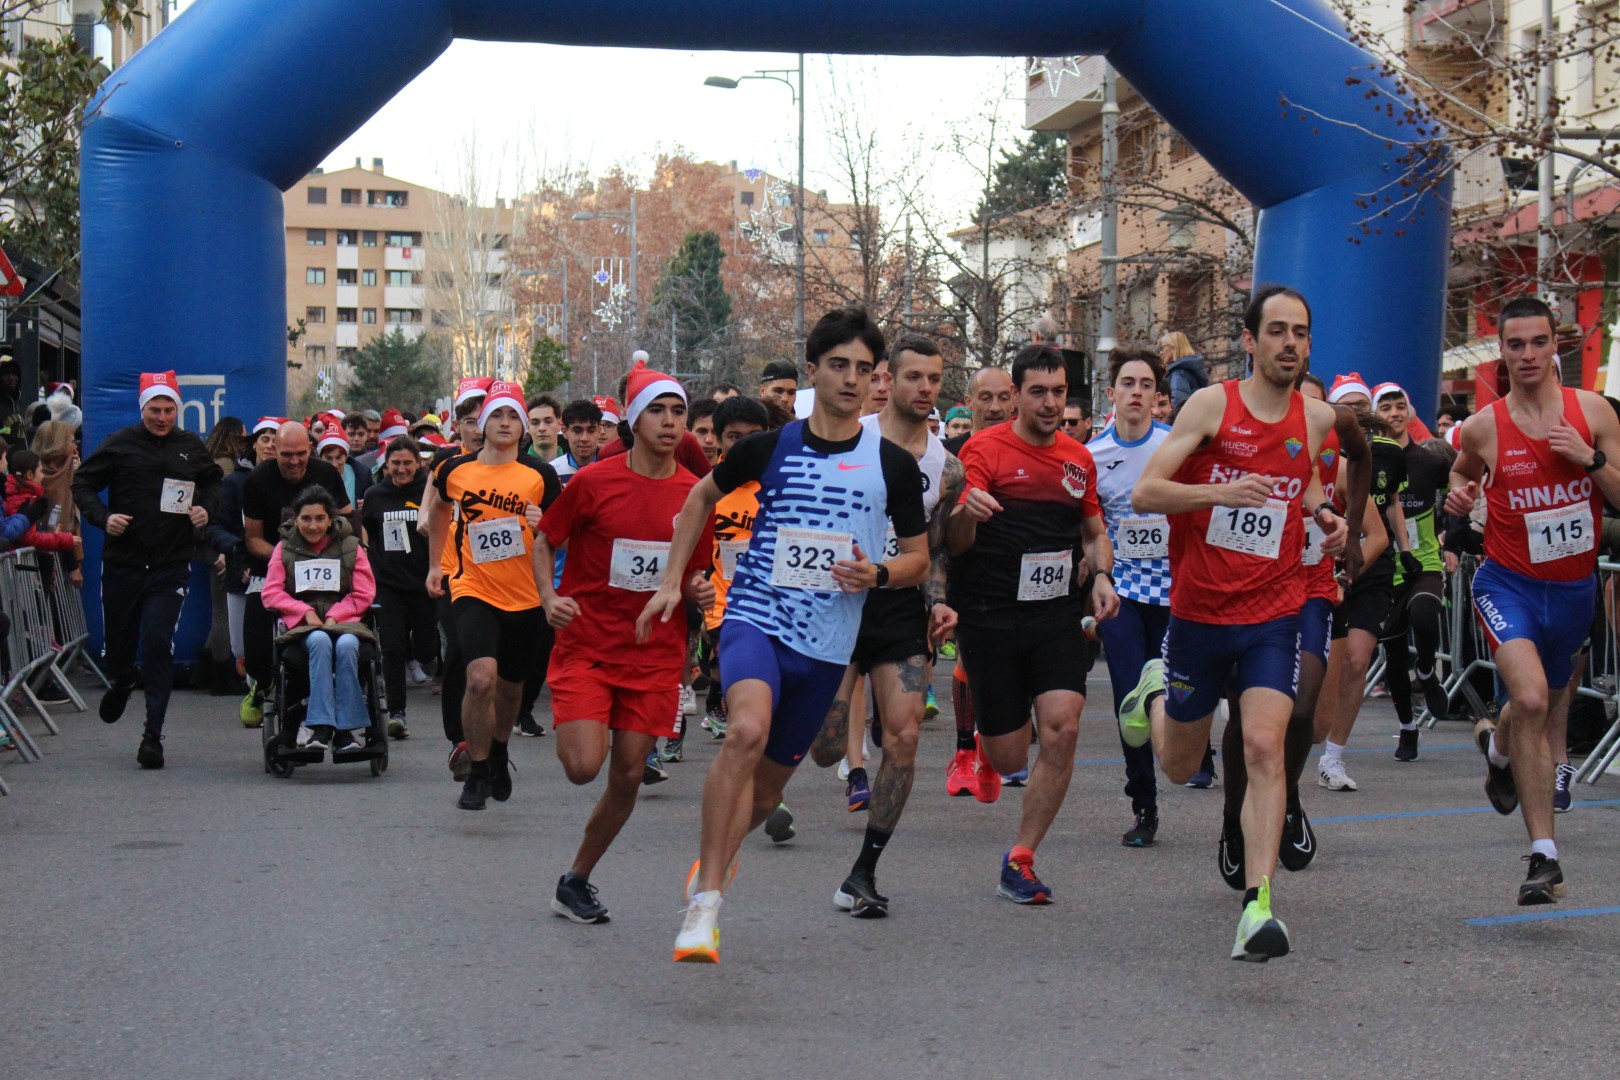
point(150, 754)
point(114, 700)
point(1143, 832)
point(652, 771)
point(576, 900)
point(1406, 748)
point(475, 792)
point(1545, 883)
point(779, 826)
point(858, 895)
point(527, 725)
point(1298, 840)
point(1499, 786)
point(1434, 696)
point(500, 771)
point(1230, 853)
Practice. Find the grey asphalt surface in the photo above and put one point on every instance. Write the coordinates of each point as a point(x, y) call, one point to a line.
point(209, 920)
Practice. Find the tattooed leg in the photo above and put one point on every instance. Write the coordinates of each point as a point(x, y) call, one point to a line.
point(828, 749)
point(900, 688)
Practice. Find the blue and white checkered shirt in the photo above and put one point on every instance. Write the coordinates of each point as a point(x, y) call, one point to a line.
point(1119, 466)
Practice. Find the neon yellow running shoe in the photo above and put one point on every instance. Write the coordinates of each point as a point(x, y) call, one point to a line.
point(1134, 726)
point(252, 710)
point(1260, 935)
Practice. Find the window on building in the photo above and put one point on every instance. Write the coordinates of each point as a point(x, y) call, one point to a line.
point(368, 316)
point(315, 237)
point(1604, 20)
point(368, 278)
point(346, 355)
point(443, 279)
point(314, 275)
point(368, 238)
point(404, 277)
point(404, 239)
point(402, 316)
point(396, 199)
point(440, 318)
point(317, 196)
point(1136, 149)
point(748, 198)
point(314, 314)
point(345, 238)
point(822, 237)
point(347, 315)
point(351, 196)
point(1139, 310)
point(1180, 149)
point(348, 277)
point(1191, 301)
point(315, 354)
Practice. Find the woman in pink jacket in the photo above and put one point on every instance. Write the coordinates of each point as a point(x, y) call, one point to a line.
point(321, 585)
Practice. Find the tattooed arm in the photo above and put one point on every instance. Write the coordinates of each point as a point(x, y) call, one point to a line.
point(941, 617)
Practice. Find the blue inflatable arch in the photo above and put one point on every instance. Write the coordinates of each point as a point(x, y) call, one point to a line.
point(194, 141)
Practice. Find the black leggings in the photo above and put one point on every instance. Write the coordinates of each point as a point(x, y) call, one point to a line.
point(405, 622)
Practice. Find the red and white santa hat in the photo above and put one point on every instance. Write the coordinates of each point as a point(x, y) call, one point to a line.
point(333, 437)
point(1384, 390)
point(1348, 383)
point(610, 409)
point(268, 423)
point(509, 394)
point(467, 389)
point(1454, 436)
point(393, 425)
point(433, 439)
point(643, 385)
point(159, 384)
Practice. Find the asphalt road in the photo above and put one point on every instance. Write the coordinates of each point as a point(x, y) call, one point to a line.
point(211, 921)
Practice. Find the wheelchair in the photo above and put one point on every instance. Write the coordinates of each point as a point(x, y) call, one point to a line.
point(285, 705)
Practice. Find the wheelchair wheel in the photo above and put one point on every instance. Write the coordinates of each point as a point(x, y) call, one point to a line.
point(269, 759)
point(377, 766)
point(284, 769)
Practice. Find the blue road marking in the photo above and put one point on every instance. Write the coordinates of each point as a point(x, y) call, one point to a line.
point(1542, 916)
point(1439, 813)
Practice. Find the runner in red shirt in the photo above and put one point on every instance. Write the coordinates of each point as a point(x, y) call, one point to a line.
point(1235, 474)
point(1544, 452)
point(611, 696)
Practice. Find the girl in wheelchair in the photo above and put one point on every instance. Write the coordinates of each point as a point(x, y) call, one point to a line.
point(321, 585)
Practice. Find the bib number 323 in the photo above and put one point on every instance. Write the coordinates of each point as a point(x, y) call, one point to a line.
point(805, 558)
point(1248, 530)
point(495, 539)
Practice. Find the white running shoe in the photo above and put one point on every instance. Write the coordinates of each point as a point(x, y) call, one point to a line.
point(1331, 775)
point(309, 739)
point(843, 769)
point(688, 702)
point(414, 675)
point(699, 939)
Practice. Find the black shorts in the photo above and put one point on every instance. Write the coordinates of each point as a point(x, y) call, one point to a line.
point(511, 638)
point(1008, 669)
point(1366, 606)
point(1430, 583)
point(893, 630)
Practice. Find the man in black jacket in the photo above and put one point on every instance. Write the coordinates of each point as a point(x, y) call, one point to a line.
point(162, 487)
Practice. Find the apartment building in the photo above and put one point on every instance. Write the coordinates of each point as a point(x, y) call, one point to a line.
point(367, 254)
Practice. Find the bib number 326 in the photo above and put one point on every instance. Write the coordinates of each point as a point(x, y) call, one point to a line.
point(1044, 575)
point(805, 558)
point(495, 539)
point(638, 565)
point(1248, 530)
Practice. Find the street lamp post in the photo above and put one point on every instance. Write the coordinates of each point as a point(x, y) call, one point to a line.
point(781, 75)
point(635, 258)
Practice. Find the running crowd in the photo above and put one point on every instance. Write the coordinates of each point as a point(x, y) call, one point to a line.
point(1247, 556)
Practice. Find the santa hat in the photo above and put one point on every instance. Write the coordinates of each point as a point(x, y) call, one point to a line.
point(333, 438)
point(393, 425)
point(509, 394)
point(60, 388)
point(1454, 436)
point(434, 439)
point(642, 385)
point(467, 389)
point(610, 408)
point(1384, 390)
point(339, 414)
point(62, 408)
point(1350, 383)
point(331, 421)
point(159, 384)
point(268, 423)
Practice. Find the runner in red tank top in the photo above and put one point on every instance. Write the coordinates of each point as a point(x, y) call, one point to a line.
point(1235, 473)
point(1544, 450)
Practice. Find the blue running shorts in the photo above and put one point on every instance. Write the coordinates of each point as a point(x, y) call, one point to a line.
point(1549, 614)
point(802, 688)
point(1204, 660)
point(1316, 627)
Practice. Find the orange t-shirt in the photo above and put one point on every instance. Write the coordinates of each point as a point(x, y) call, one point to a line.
point(488, 555)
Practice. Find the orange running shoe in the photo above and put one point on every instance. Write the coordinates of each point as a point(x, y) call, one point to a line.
point(987, 788)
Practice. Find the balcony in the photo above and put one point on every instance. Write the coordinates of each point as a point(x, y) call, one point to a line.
point(346, 336)
point(348, 296)
point(404, 296)
point(1478, 182)
point(348, 257)
point(398, 258)
point(1063, 92)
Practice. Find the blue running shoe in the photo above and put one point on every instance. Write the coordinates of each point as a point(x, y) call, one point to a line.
point(859, 790)
point(1019, 883)
point(930, 705)
point(1017, 779)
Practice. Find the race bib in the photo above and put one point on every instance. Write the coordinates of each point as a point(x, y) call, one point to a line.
point(1411, 535)
point(255, 585)
point(1143, 538)
point(317, 575)
point(1044, 575)
point(176, 496)
point(1314, 539)
point(496, 539)
point(1556, 534)
point(396, 535)
point(638, 565)
point(805, 558)
point(1248, 530)
point(891, 544)
point(730, 552)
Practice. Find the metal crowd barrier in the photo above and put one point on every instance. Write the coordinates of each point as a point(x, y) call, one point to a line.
point(1465, 652)
point(48, 634)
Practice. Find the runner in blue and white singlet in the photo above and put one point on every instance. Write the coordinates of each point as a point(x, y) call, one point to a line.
point(1141, 561)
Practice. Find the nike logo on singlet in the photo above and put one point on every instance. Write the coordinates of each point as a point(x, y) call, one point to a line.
point(851, 468)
